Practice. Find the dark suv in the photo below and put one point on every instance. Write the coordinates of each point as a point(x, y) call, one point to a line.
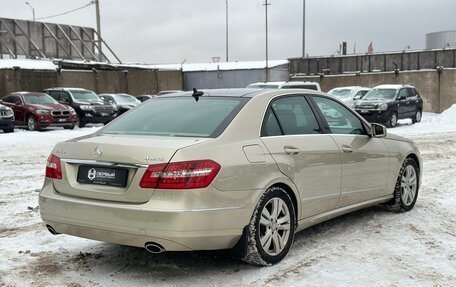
point(88, 106)
point(38, 110)
point(6, 119)
point(386, 104)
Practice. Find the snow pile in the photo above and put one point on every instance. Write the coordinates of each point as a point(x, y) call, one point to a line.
point(28, 64)
point(431, 123)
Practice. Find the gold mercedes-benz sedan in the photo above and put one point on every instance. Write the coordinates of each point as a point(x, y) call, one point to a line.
point(243, 169)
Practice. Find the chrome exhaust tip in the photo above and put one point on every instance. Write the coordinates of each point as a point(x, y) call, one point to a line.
point(51, 230)
point(154, 248)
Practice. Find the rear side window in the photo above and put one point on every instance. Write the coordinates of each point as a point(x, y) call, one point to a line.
point(292, 115)
point(179, 117)
point(340, 119)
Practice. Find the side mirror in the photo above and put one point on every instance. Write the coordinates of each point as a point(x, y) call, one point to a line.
point(18, 103)
point(400, 98)
point(358, 97)
point(378, 131)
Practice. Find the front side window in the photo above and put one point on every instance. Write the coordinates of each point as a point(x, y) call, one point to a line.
point(293, 116)
point(12, 99)
point(340, 120)
point(402, 94)
point(178, 117)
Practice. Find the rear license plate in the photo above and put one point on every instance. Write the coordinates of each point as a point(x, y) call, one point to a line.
point(102, 176)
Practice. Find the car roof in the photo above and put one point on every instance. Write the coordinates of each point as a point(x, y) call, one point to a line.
point(67, 89)
point(25, 93)
point(242, 92)
point(300, 83)
point(392, 86)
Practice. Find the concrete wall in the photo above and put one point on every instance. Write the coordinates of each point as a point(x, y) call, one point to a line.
point(405, 61)
point(135, 82)
point(437, 89)
point(232, 78)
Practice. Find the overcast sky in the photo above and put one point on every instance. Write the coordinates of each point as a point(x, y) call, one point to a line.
point(171, 31)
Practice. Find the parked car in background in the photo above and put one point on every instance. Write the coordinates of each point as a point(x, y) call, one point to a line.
point(266, 85)
point(349, 95)
point(301, 85)
point(387, 104)
point(38, 110)
point(124, 102)
point(144, 98)
point(6, 119)
point(88, 106)
point(222, 169)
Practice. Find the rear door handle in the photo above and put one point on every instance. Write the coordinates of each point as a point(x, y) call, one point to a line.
point(291, 150)
point(347, 148)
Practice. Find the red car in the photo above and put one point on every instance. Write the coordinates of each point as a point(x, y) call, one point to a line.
point(38, 110)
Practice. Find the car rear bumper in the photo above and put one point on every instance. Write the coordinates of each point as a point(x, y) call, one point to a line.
point(374, 116)
point(135, 224)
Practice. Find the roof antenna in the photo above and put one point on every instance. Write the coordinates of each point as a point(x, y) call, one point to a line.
point(196, 94)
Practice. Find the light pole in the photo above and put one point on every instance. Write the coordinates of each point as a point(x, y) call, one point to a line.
point(97, 7)
point(33, 10)
point(266, 4)
point(303, 28)
point(226, 2)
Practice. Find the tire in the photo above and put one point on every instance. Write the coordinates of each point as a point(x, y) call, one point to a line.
point(406, 189)
point(8, 130)
point(69, 127)
point(277, 240)
point(80, 123)
point(417, 117)
point(31, 123)
point(392, 120)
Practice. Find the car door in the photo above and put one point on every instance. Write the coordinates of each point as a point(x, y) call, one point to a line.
point(403, 104)
point(303, 152)
point(365, 159)
point(412, 100)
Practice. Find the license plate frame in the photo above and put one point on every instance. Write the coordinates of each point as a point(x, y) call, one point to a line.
point(106, 176)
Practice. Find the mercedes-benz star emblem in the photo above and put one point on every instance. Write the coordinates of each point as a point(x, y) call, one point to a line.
point(92, 174)
point(98, 151)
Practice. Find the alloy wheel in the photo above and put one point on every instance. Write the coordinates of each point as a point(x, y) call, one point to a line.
point(275, 224)
point(393, 120)
point(31, 123)
point(408, 185)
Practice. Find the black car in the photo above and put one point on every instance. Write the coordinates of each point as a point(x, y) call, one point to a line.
point(88, 106)
point(6, 119)
point(386, 104)
point(124, 102)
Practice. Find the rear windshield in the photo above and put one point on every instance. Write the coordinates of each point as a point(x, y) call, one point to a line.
point(178, 117)
point(39, 99)
point(126, 99)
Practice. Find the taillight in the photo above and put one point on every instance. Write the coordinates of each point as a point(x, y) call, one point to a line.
point(180, 175)
point(53, 167)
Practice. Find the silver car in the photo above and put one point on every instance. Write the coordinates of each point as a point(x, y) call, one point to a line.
point(242, 169)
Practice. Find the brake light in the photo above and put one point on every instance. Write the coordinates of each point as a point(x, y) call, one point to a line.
point(53, 167)
point(180, 175)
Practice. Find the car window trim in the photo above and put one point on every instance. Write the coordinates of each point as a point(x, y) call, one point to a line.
point(269, 106)
point(366, 127)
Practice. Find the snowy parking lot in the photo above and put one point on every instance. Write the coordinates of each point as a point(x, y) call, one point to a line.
point(371, 247)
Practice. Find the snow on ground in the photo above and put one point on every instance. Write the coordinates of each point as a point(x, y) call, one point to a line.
point(371, 247)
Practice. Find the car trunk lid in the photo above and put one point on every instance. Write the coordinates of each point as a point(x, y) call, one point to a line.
point(110, 167)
